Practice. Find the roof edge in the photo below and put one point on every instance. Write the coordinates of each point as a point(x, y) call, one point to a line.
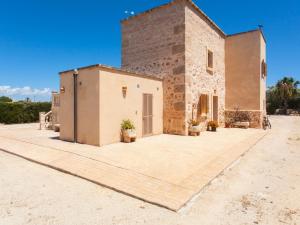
point(210, 21)
point(114, 69)
point(249, 31)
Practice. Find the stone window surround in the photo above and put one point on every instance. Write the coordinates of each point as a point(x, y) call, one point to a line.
point(209, 60)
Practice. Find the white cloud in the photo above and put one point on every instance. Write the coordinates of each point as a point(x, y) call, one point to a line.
point(24, 91)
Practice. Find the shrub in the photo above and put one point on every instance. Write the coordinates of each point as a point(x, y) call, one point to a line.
point(194, 122)
point(5, 99)
point(22, 112)
point(127, 125)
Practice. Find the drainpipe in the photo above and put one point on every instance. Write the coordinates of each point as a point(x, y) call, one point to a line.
point(75, 75)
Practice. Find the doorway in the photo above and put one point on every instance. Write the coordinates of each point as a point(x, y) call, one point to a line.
point(215, 108)
point(147, 114)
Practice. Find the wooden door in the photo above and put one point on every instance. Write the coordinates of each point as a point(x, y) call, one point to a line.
point(215, 108)
point(147, 114)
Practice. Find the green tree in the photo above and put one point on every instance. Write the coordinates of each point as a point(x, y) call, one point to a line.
point(286, 89)
point(5, 99)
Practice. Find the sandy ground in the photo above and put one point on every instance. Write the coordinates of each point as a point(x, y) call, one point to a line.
point(167, 170)
point(263, 187)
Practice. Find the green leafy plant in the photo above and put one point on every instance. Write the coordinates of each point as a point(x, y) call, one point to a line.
point(213, 124)
point(194, 123)
point(127, 125)
point(284, 95)
point(22, 112)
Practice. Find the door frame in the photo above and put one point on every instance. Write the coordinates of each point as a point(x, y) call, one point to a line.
point(213, 108)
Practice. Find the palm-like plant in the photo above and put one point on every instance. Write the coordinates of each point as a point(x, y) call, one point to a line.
point(285, 90)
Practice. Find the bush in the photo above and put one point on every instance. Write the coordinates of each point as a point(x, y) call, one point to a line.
point(127, 125)
point(5, 99)
point(22, 112)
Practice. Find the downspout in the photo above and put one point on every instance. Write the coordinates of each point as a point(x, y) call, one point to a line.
point(75, 75)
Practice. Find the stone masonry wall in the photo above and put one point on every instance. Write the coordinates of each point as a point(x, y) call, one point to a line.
point(200, 36)
point(255, 117)
point(153, 43)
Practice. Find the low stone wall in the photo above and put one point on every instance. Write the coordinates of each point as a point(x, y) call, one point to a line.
point(254, 117)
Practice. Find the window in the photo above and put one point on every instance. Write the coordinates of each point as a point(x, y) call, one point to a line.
point(210, 60)
point(263, 69)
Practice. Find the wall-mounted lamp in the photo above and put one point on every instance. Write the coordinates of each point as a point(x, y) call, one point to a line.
point(124, 91)
point(62, 89)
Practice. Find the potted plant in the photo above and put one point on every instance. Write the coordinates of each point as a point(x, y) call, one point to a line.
point(194, 127)
point(128, 131)
point(212, 126)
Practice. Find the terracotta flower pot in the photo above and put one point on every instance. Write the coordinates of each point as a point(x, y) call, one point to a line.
point(129, 135)
point(194, 130)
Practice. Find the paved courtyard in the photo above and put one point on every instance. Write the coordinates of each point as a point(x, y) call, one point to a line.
point(166, 170)
point(262, 187)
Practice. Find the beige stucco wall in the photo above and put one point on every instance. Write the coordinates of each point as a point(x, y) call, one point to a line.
point(243, 62)
point(88, 119)
point(101, 106)
point(245, 86)
point(263, 80)
point(87, 107)
point(114, 107)
point(153, 43)
point(66, 107)
point(200, 36)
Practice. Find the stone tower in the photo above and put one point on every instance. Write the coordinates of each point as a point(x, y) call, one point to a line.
point(179, 43)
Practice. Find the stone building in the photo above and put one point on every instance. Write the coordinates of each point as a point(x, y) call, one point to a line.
point(205, 73)
point(197, 60)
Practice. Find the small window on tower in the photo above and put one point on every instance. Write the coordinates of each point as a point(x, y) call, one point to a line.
point(210, 60)
point(263, 69)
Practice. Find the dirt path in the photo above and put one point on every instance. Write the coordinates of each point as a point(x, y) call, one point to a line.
point(263, 187)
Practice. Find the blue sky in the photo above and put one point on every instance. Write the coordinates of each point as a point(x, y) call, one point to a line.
point(40, 38)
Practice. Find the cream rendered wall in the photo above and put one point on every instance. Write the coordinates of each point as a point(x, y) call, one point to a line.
point(114, 107)
point(66, 109)
point(263, 80)
point(201, 36)
point(88, 107)
point(243, 71)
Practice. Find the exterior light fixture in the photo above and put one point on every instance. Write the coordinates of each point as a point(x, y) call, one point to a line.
point(62, 89)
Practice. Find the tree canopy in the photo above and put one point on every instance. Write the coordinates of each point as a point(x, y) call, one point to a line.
point(285, 94)
point(5, 99)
